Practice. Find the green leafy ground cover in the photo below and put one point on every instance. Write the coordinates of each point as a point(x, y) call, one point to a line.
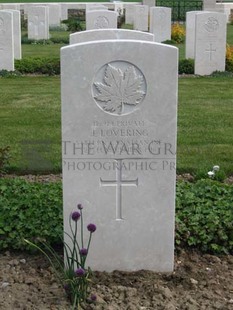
point(204, 214)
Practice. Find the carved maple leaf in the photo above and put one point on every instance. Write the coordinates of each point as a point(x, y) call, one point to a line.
point(119, 89)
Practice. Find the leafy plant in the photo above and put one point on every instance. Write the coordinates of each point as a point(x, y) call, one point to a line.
point(29, 210)
point(178, 33)
point(4, 158)
point(204, 216)
point(50, 66)
point(7, 74)
point(74, 276)
point(229, 58)
point(55, 40)
point(186, 66)
point(73, 24)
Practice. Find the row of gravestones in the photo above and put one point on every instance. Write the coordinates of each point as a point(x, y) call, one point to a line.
point(205, 34)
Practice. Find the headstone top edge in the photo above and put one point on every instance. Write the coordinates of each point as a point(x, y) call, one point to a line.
point(99, 42)
point(112, 29)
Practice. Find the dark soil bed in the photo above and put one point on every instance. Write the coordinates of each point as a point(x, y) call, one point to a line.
point(198, 282)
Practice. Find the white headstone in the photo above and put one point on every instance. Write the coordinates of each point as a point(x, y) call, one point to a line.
point(38, 22)
point(190, 34)
point(141, 17)
point(16, 33)
point(210, 43)
point(101, 19)
point(129, 13)
point(119, 102)
point(160, 23)
point(95, 7)
point(109, 34)
point(6, 41)
point(149, 3)
point(209, 5)
point(54, 14)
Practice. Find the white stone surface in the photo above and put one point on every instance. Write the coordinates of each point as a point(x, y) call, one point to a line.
point(129, 13)
point(190, 34)
point(119, 102)
point(95, 7)
point(38, 22)
point(141, 19)
point(225, 8)
point(160, 23)
point(6, 41)
point(101, 19)
point(9, 6)
point(210, 44)
point(149, 3)
point(54, 14)
point(16, 33)
point(109, 34)
point(209, 5)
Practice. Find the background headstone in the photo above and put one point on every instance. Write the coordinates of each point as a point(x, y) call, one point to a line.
point(38, 22)
point(54, 14)
point(129, 13)
point(119, 142)
point(109, 34)
point(190, 34)
point(209, 5)
point(160, 23)
point(95, 7)
point(16, 33)
point(6, 41)
point(149, 3)
point(101, 19)
point(210, 43)
point(141, 17)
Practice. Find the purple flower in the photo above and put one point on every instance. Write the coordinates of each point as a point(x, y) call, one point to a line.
point(75, 215)
point(80, 272)
point(80, 206)
point(93, 297)
point(66, 287)
point(83, 252)
point(91, 227)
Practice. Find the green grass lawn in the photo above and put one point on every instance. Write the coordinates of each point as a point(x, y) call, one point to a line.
point(35, 50)
point(30, 120)
point(30, 123)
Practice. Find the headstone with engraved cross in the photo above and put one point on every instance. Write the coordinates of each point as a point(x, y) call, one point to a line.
point(6, 41)
point(210, 42)
point(119, 101)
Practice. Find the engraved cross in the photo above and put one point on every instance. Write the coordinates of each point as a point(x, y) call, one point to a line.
point(119, 183)
point(210, 51)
